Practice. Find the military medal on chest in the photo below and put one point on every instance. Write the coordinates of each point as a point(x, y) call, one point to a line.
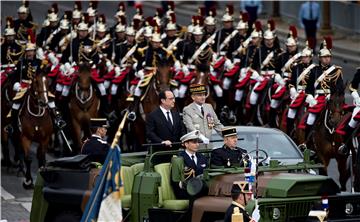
point(210, 121)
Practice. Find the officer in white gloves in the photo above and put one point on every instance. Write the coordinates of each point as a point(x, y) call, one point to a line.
point(355, 117)
point(200, 115)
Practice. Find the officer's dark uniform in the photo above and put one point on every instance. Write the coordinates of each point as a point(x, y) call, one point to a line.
point(220, 37)
point(235, 43)
point(121, 49)
point(54, 43)
point(230, 211)
point(95, 146)
point(225, 156)
point(106, 48)
point(240, 188)
point(44, 34)
point(21, 28)
point(261, 55)
point(155, 56)
point(334, 81)
point(25, 69)
point(189, 51)
point(11, 52)
point(283, 58)
point(296, 72)
point(168, 40)
point(78, 55)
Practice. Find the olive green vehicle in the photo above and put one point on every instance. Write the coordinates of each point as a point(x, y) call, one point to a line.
point(285, 193)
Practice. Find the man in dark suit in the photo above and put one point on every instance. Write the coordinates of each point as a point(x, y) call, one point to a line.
point(164, 125)
point(96, 147)
point(241, 194)
point(229, 154)
point(193, 164)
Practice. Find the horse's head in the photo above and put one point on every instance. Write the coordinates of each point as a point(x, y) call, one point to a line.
point(84, 80)
point(335, 107)
point(202, 77)
point(163, 76)
point(39, 88)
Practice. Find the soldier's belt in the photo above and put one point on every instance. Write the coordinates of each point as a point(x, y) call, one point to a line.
point(322, 91)
point(26, 81)
point(222, 53)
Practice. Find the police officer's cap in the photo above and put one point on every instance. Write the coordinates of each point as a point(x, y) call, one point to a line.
point(197, 88)
point(241, 187)
point(99, 122)
point(193, 135)
point(229, 131)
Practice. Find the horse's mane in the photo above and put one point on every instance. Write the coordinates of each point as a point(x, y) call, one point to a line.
point(84, 68)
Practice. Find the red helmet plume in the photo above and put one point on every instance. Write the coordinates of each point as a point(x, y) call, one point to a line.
point(78, 5)
point(244, 16)
point(271, 24)
point(293, 31)
point(230, 9)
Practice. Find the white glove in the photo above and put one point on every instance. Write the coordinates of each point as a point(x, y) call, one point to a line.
point(256, 214)
point(71, 70)
point(109, 65)
point(256, 76)
point(204, 139)
point(117, 71)
point(140, 74)
point(356, 97)
point(293, 93)
point(279, 80)
point(177, 65)
point(311, 100)
point(40, 53)
point(185, 69)
point(228, 65)
point(134, 66)
point(67, 66)
point(16, 87)
point(53, 59)
point(62, 69)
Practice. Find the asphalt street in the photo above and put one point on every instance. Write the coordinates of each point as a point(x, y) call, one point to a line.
point(15, 201)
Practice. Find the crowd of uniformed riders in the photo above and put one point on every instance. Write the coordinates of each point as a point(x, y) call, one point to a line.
point(244, 62)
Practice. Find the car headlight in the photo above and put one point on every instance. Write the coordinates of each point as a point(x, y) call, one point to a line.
point(276, 213)
point(349, 208)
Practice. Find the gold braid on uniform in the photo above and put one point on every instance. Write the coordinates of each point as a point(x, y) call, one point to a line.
point(251, 57)
point(30, 71)
point(83, 55)
point(141, 50)
point(205, 55)
point(189, 174)
point(333, 77)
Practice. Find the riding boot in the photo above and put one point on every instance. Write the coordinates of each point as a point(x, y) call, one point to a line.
point(57, 118)
point(344, 148)
point(308, 131)
point(252, 117)
point(289, 125)
point(14, 126)
point(104, 109)
point(133, 108)
point(272, 116)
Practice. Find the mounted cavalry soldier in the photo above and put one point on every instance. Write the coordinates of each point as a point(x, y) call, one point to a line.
point(11, 49)
point(24, 22)
point(50, 25)
point(297, 84)
point(286, 61)
point(210, 23)
point(324, 79)
point(246, 53)
point(227, 29)
point(265, 61)
point(25, 71)
point(81, 48)
point(355, 117)
point(53, 42)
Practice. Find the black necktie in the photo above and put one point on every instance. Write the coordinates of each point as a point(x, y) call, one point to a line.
point(193, 159)
point(202, 111)
point(311, 11)
point(168, 118)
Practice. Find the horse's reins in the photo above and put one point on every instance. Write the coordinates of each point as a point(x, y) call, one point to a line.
point(83, 101)
point(41, 110)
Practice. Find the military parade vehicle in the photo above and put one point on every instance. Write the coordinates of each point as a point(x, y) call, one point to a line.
point(285, 190)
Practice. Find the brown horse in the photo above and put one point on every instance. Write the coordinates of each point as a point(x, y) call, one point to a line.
point(36, 123)
point(324, 137)
point(84, 105)
point(6, 96)
point(150, 101)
